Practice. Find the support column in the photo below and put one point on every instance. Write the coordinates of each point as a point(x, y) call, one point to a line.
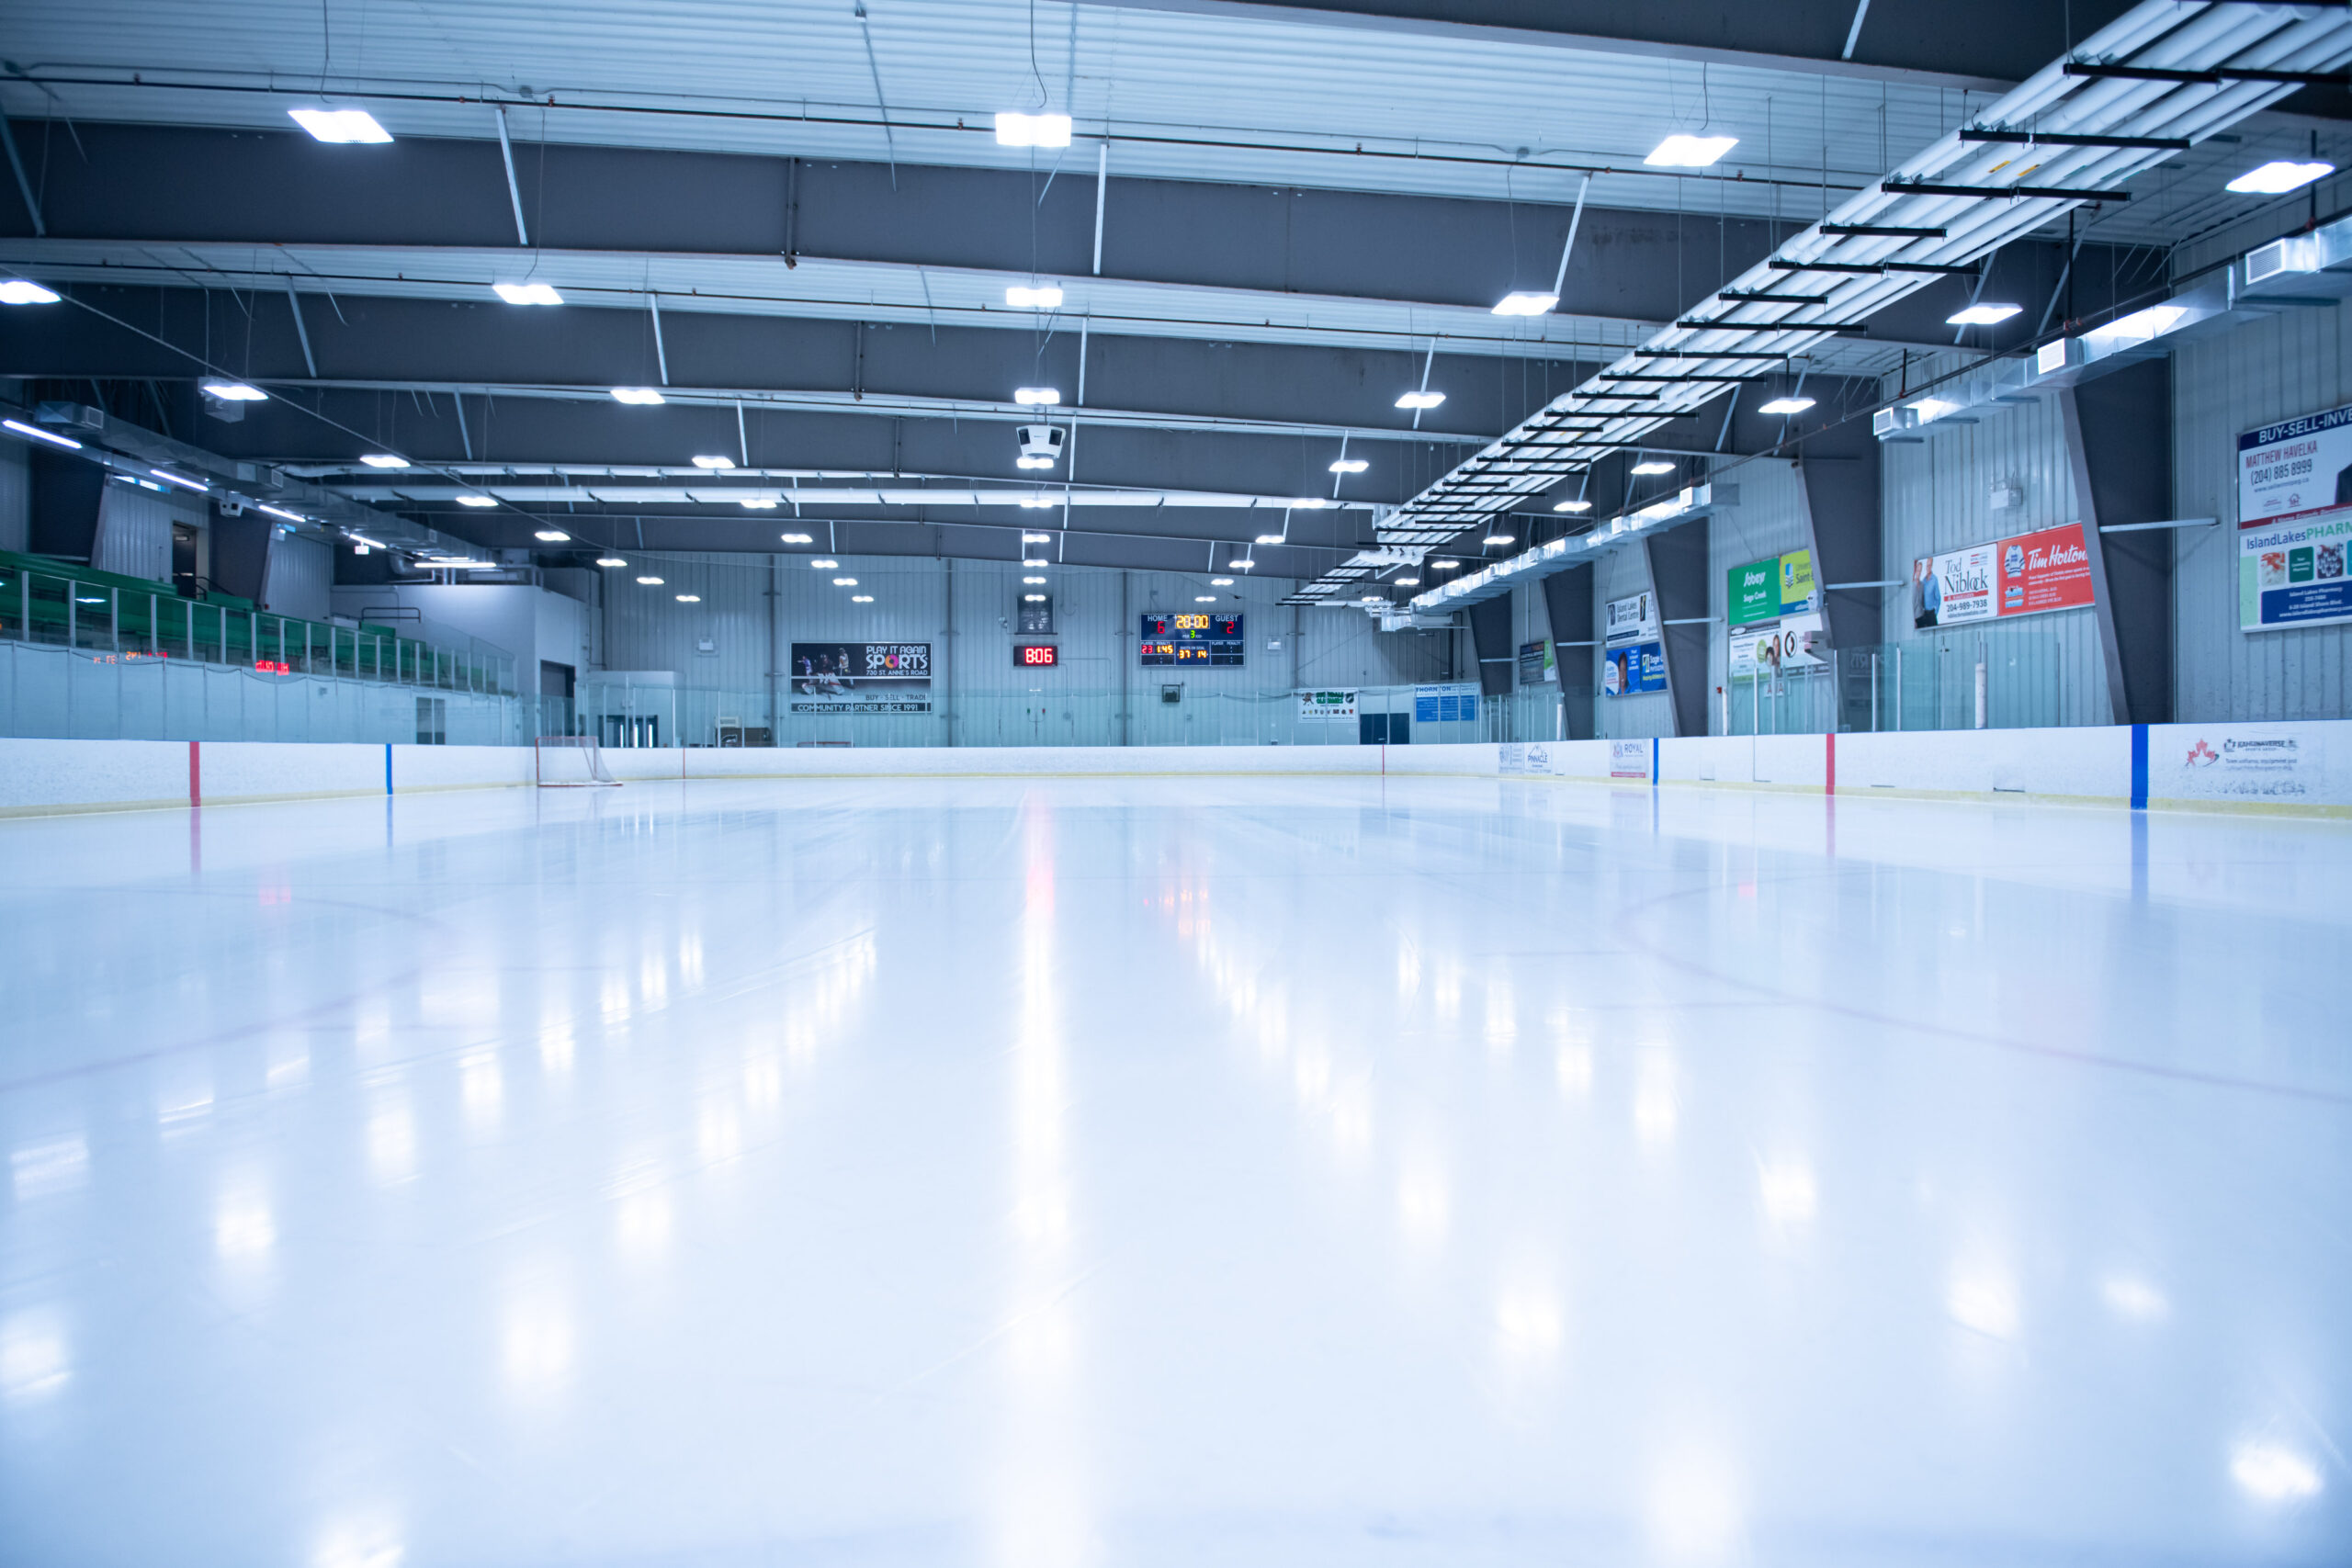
point(1567, 604)
point(1679, 574)
point(2118, 451)
point(1490, 641)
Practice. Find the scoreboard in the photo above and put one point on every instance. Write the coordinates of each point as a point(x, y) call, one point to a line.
point(1183, 639)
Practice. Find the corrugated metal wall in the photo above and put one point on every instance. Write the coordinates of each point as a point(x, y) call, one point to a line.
point(975, 676)
point(2259, 373)
point(16, 497)
point(1939, 494)
point(302, 577)
point(134, 534)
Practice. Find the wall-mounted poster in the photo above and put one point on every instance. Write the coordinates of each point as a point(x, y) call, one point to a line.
point(1535, 665)
point(1454, 702)
point(2296, 466)
point(1326, 707)
point(1766, 590)
point(2290, 571)
point(2023, 575)
point(1640, 667)
point(1632, 620)
point(1797, 643)
point(861, 677)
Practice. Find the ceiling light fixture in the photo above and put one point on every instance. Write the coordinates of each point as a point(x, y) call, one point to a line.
point(1241, 566)
point(1034, 565)
point(1310, 504)
point(1037, 397)
point(1572, 506)
point(610, 561)
point(1220, 582)
point(824, 564)
point(1033, 462)
point(1034, 581)
point(799, 539)
point(845, 582)
point(689, 597)
point(234, 392)
point(21, 292)
point(477, 501)
point(1036, 538)
point(1780, 406)
point(180, 479)
point(551, 535)
point(1680, 152)
point(1653, 466)
point(1420, 400)
point(1203, 598)
point(643, 397)
point(651, 582)
point(1350, 466)
point(1407, 581)
point(1525, 302)
point(1043, 296)
point(1982, 315)
point(1270, 539)
point(1014, 128)
point(713, 461)
point(280, 511)
point(757, 503)
point(1445, 565)
point(861, 598)
point(70, 444)
point(384, 460)
point(340, 125)
point(527, 293)
point(1374, 598)
point(2277, 177)
point(1033, 598)
point(1499, 539)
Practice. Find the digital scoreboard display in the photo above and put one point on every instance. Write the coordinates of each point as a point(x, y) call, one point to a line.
point(1175, 637)
point(1035, 655)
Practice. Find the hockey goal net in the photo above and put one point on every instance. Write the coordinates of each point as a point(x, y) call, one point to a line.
point(570, 761)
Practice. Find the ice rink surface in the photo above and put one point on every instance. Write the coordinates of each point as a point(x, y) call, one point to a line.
point(1129, 1174)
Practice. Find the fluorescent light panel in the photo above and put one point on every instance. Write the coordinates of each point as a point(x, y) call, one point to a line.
point(340, 125)
point(1014, 128)
point(1572, 506)
point(1982, 315)
point(383, 460)
point(1681, 151)
point(1653, 466)
point(644, 397)
point(2279, 177)
point(712, 461)
point(1420, 400)
point(1525, 302)
point(1777, 405)
point(22, 292)
point(528, 293)
point(551, 535)
point(69, 445)
point(1043, 296)
point(234, 392)
point(477, 501)
point(1037, 397)
point(1350, 466)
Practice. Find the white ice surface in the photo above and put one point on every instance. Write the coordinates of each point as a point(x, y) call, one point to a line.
point(1137, 1173)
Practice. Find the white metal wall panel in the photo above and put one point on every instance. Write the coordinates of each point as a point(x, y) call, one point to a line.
point(2264, 371)
point(134, 534)
point(16, 497)
point(1937, 495)
point(302, 577)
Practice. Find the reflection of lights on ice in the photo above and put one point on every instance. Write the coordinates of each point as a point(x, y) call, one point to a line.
point(2272, 1473)
point(2128, 1297)
point(1693, 1507)
point(1527, 1324)
point(1985, 1302)
point(1311, 1074)
point(56, 1166)
point(481, 1087)
point(1574, 1064)
point(1785, 1188)
point(391, 1143)
point(32, 1357)
point(1352, 1119)
point(538, 1348)
point(242, 1227)
point(1655, 1113)
point(556, 1051)
point(358, 1546)
point(763, 1082)
point(641, 1225)
point(1421, 1203)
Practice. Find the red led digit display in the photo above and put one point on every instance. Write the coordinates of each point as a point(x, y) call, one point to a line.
point(1034, 654)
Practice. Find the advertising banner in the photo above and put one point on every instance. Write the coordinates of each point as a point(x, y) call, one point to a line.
point(2296, 466)
point(1797, 643)
point(1452, 703)
point(1326, 707)
point(1632, 620)
point(861, 677)
point(2217, 763)
point(1626, 671)
point(2023, 575)
point(1766, 590)
point(1630, 759)
point(1535, 665)
point(2290, 573)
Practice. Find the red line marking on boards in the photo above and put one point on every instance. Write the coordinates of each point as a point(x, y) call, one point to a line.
point(195, 775)
point(1830, 741)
